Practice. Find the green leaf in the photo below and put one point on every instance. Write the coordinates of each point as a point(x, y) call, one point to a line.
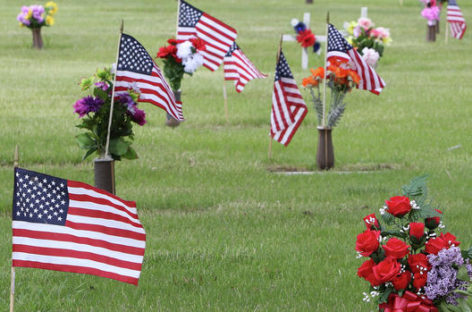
point(85, 141)
point(384, 295)
point(130, 153)
point(388, 218)
point(416, 188)
point(119, 146)
point(89, 152)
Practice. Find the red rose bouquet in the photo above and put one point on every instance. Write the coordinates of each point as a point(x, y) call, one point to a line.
point(413, 265)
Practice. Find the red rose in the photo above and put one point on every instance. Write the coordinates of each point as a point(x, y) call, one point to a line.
point(398, 206)
point(170, 50)
point(449, 239)
point(396, 248)
point(367, 242)
point(419, 280)
point(433, 246)
point(418, 263)
point(173, 41)
point(371, 221)
point(386, 269)
point(417, 230)
point(365, 271)
point(401, 281)
point(306, 38)
point(432, 223)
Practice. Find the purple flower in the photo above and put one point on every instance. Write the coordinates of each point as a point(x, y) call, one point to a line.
point(127, 100)
point(102, 85)
point(87, 105)
point(37, 12)
point(139, 116)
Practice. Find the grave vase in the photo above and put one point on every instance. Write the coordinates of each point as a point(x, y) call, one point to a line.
point(171, 121)
point(325, 152)
point(104, 173)
point(37, 39)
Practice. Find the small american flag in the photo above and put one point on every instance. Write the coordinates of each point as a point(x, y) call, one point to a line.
point(239, 68)
point(339, 48)
point(288, 107)
point(456, 20)
point(135, 66)
point(217, 35)
point(71, 226)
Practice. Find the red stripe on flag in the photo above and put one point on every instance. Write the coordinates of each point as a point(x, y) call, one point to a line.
point(83, 212)
point(105, 230)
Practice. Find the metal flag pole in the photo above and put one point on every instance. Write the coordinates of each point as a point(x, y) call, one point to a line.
point(447, 32)
point(225, 98)
point(12, 284)
point(107, 146)
point(325, 65)
point(276, 64)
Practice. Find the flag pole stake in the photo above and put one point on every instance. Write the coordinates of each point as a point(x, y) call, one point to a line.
point(107, 146)
point(225, 98)
point(447, 33)
point(276, 64)
point(16, 161)
point(325, 65)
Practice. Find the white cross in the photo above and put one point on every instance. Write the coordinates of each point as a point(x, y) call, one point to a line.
point(306, 20)
point(364, 12)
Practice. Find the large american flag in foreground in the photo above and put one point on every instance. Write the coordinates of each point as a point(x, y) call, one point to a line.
point(288, 107)
point(71, 226)
point(239, 68)
point(456, 20)
point(136, 67)
point(217, 35)
point(339, 48)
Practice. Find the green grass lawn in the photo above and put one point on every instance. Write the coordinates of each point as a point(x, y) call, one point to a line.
point(225, 233)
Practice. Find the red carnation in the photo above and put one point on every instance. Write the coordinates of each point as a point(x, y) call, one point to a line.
point(367, 242)
point(401, 281)
point(306, 38)
point(386, 269)
point(418, 263)
point(398, 206)
point(433, 246)
point(371, 221)
point(396, 248)
point(417, 230)
point(173, 41)
point(365, 271)
point(449, 239)
point(198, 43)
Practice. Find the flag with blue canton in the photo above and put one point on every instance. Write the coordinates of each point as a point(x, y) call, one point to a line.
point(340, 50)
point(456, 20)
point(70, 226)
point(288, 107)
point(136, 67)
point(218, 37)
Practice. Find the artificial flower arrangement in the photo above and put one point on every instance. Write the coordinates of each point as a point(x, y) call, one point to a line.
point(431, 11)
point(341, 78)
point(181, 57)
point(305, 36)
point(369, 41)
point(412, 264)
point(94, 109)
point(36, 16)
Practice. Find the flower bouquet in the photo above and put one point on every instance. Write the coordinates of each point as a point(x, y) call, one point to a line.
point(94, 111)
point(370, 42)
point(413, 265)
point(305, 36)
point(340, 78)
point(35, 17)
point(180, 57)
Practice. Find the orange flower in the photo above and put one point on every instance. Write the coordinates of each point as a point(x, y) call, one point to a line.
point(354, 76)
point(318, 73)
point(310, 81)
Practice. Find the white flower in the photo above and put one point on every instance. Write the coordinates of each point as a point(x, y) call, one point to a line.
point(294, 22)
point(184, 50)
point(370, 56)
point(192, 63)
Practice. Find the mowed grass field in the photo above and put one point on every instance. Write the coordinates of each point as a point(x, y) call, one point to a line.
point(224, 232)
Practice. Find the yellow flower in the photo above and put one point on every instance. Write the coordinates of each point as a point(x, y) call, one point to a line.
point(387, 40)
point(49, 20)
point(52, 6)
point(351, 26)
point(349, 39)
point(30, 13)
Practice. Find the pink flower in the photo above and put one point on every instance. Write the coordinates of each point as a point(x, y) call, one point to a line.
point(431, 14)
point(380, 32)
point(365, 23)
point(370, 56)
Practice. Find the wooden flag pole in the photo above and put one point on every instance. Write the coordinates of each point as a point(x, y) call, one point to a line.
point(12, 284)
point(107, 146)
point(276, 64)
point(325, 65)
point(225, 98)
point(447, 32)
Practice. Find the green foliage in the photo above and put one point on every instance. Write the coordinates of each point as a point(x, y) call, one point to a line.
point(174, 72)
point(364, 41)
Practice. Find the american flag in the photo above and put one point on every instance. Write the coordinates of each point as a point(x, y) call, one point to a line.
point(288, 107)
point(70, 226)
point(136, 67)
point(456, 20)
point(339, 48)
point(239, 68)
point(217, 35)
